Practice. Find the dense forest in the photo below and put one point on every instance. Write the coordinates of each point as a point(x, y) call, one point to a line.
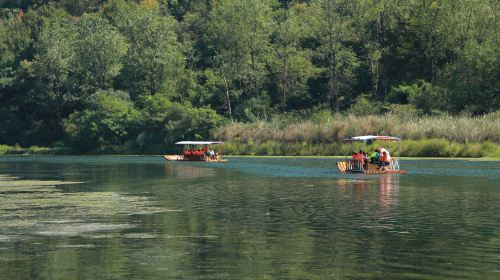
point(136, 76)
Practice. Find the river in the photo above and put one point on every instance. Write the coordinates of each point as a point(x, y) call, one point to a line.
point(140, 217)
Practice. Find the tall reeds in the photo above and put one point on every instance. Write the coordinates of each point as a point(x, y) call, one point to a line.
point(452, 128)
point(446, 136)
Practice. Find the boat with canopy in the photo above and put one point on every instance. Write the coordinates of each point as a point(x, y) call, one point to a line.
point(197, 151)
point(379, 162)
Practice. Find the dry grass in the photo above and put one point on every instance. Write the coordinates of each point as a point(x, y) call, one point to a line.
point(438, 136)
point(459, 129)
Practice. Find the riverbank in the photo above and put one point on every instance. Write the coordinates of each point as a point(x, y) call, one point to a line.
point(34, 150)
point(428, 148)
point(408, 148)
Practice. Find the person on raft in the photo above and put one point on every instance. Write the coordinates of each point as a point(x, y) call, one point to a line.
point(384, 158)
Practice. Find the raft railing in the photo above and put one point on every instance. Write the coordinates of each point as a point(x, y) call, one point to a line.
point(355, 165)
point(394, 164)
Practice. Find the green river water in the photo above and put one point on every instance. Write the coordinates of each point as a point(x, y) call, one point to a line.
point(84, 217)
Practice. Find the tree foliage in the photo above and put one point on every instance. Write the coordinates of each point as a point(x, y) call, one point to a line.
point(127, 75)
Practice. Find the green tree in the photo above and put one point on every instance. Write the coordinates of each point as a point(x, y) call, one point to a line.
point(238, 35)
point(15, 46)
point(6, 59)
point(105, 125)
point(375, 20)
point(423, 95)
point(365, 106)
point(154, 61)
point(425, 24)
point(331, 21)
point(164, 122)
point(179, 8)
point(472, 77)
point(15, 41)
point(291, 64)
point(474, 80)
point(53, 65)
point(100, 50)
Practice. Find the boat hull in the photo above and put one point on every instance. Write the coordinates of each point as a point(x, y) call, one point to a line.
point(202, 159)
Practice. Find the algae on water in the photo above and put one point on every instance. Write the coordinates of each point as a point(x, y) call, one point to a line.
point(40, 208)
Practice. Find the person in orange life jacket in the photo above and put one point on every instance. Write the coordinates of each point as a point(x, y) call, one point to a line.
point(358, 156)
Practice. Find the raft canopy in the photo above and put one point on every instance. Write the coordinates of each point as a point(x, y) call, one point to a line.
point(367, 138)
point(198, 142)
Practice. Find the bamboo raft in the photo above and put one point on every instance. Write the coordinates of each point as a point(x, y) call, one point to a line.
point(182, 158)
point(355, 166)
point(197, 154)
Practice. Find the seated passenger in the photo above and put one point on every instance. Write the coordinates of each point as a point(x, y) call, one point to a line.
point(374, 157)
point(363, 156)
point(384, 160)
point(382, 150)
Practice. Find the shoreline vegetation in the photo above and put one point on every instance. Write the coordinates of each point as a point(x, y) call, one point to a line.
point(322, 134)
point(432, 148)
point(268, 77)
point(429, 148)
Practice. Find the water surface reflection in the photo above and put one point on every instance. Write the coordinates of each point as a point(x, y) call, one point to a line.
point(188, 170)
point(144, 218)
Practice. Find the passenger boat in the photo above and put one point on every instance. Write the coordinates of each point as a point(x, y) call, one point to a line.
point(364, 166)
point(197, 151)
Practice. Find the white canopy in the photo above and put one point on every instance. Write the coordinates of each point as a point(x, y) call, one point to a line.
point(372, 138)
point(198, 142)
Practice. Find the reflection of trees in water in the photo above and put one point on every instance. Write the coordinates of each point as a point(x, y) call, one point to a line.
point(187, 170)
point(290, 226)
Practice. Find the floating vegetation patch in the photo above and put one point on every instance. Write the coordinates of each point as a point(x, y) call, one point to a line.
point(191, 236)
point(141, 236)
point(10, 238)
point(40, 208)
point(76, 246)
point(79, 229)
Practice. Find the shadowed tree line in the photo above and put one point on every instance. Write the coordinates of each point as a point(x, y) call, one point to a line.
point(136, 76)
